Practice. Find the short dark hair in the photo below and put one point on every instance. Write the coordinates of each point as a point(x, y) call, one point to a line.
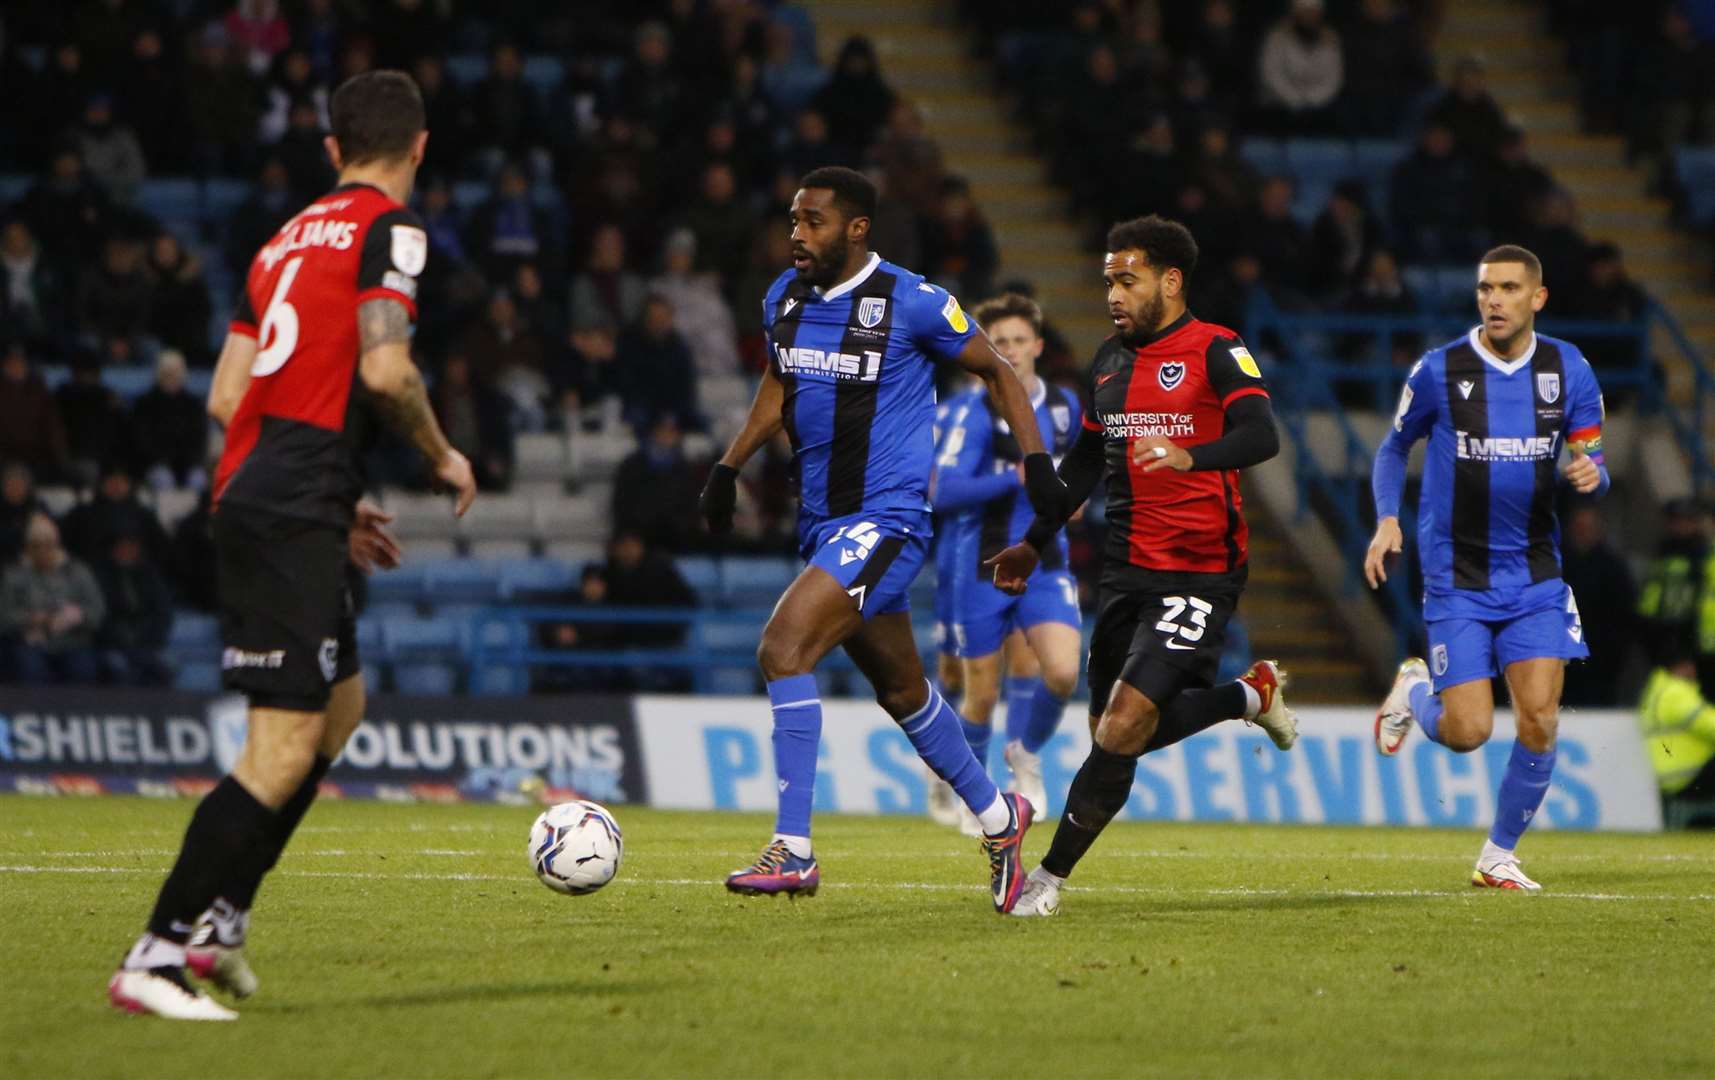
point(1009, 306)
point(1167, 244)
point(853, 191)
point(376, 116)
point(1513, 253)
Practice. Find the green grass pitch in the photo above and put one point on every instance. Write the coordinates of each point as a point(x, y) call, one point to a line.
point(412, 941)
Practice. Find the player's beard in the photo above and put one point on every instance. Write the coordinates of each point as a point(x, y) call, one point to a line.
point(1146, 319)
point(826, 266)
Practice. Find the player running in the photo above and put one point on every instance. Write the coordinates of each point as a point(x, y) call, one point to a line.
point(1496, 405)
point(852, 341)
point(944, 804)
point(1177, 408)
point(977, 475)
point(336, 292)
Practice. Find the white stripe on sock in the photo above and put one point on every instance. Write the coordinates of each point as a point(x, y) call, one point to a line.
point(796, 704)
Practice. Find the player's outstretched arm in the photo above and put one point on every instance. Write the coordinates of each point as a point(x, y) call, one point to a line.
point(231, 377)
point(385, 366)
point(1047, 493)
point(720, 494)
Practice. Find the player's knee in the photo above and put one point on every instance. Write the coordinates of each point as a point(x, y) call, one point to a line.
point(779, 655)
point(1060, 677)
point(901, 702)
point(1127, 731)
point(1537, 728)
point(979, 702)
point(1465, 732)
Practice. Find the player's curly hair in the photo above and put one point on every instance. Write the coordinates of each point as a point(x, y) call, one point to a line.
point(1165, 243)
point(376, 116)
point(1009, 306)
point(853, 191)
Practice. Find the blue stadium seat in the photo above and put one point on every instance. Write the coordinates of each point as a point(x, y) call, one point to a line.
point(1373, 159)
point(193, 630)
point(534, 575)
point(1327, 158)
point(13, 186)
point(418, 640)
point(424, 679)
point(755, 582)
point(544, 73)
point(469, 194)
point(1695, 167)
point(501, 680)
point(466, 581)
point(369, 636)
point(702, 574)
point(740, 682)
point(731, 635)
point(129, 383)
point(1421, 281)
point(175, 200)
point(467, 68)
point(221, 197)
point(1266, 155)
point(401, 586)
point(1455, 287)
point(198, 676)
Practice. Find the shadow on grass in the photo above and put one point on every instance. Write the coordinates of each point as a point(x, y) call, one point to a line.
point(478, 993)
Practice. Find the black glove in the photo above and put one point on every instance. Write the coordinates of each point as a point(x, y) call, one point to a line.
point(1043, 485)
point(719, 497)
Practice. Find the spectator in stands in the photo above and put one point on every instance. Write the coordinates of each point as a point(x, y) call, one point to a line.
point(1552, 232)
point(1216, 165)
point(31, 430)
point(856, 100)
point(302, 152)
point(90, 528)
point(1153, 174)
point(1144, 55)
point(1512, 183)
point(1379, 291)
point(700, 312)
point(115, 299)
point(223, 104)
point(271, 203)
point(655, 489)
point(292, 80)
point(18, 504)
point(1222, 48)
point(179, 306)
point(319, 27)
point(1470, 112)
point(790, 76)
point(911, 163)
point(770, 254)
point(606, 291)
point(258, 32)
point(477, 420)
point(1610, 295)
point(1674, 94)
point(171, 428)
point(63, 89)
point(1341, 239)
point(811, 145)
point(641, 577)
point(112, 156)
point(1607, 602)
point(510, 229)
point(97, 426)
point(152, 101)
point(1386, 66)
point(1677, 720)
point(959, 249)
point(652, 365)
point(1194, 103)
point(513, 357)
point(591, 591)
point(445, 108)
point(585, 377)
point(66, 213)
point(506, 116)
point(1300, 70)
point(191, 557)
point(32, 290)
point(1435, 200)
point(138, 618)
point(647, 90)
point(893, 230)
point(541, 312)
point(414, 28)
point(1216, 229)
point(720, 224)
point(1676, 607)
point(50, 609)
point(1224, 296)
point(1276, 238)
point(754, 119)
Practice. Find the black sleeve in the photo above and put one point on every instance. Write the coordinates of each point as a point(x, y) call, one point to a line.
point(395, 250)
point(1079, 471)
point(1249, 439)
point(1233, 371)
point(245, 312)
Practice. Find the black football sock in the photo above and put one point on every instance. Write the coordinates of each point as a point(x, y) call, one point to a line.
point(240, 890)
point(1098, 792)
point(1192, 711)
point(230, 834)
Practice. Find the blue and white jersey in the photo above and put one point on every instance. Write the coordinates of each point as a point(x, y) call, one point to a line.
point(857, 366)
point(948, 522)
point(1488, 537)
point(976, 473)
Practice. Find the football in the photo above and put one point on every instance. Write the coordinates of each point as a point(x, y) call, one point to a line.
point(575, 847)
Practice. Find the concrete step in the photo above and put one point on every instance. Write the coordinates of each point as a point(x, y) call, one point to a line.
point(1554, 149)
point(1485, 18)
point(956, 142)
point(1541, 115)
point(915, 82)
point(1005, 202)
point(943, 110)
point(1002, 168)
point(1586, 178)
point(1511, 87)
point(1514, 49)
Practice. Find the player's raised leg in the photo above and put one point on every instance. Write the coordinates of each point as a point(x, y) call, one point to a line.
point(885, 652)
point(814, 615)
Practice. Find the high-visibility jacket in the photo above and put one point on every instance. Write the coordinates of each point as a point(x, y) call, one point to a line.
point(1678, 727)
point(1678, 596)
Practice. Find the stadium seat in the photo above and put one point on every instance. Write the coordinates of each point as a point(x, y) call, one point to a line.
point(402, 586)
point(426, 680)
point(1329, 158)
point(539, 456)
point(129, 383)
point(369, 634)
point(469, 194)
point(13, 186)
point(755, 582)
point(173, 504)
point(421, 640)
point(739, 682)
point(432, 549)
point(220, 198)
point(576, 554)
point(598, 454)
point(571, 517)
point(57, 500)
point(498, 517)
point(1268, 156)
point(544, 73)
point(1695, 167)
point(702, 574)
point(497, 550)
point(1421, 281)
point(198, 676)
point(192, 629)
point(467, 68)
point(730, 635)
point(174, 200)
point(467, 581)
point(534, 576)
point(422, 516)
point(501, 680)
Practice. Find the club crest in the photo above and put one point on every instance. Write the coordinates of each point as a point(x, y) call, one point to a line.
point(871, 309)
point(1171, 375)
point(1548, 386)
point(1438, 659)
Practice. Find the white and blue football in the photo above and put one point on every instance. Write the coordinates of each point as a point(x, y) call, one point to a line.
point(575, 847)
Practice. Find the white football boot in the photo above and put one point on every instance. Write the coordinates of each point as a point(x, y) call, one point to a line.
point(216, 950)
point(1393, 719)
point(1040, 897)
point(163, 992)
point(944, 803)
point(1269, 681)
point(1027, 777)
point(1498, 869)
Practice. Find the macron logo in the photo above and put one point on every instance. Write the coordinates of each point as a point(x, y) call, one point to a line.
point(1465, 388)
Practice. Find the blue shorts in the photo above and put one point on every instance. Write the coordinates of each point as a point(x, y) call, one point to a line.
point(944, 611)
point(983, 615)
point(1464, 650)
point(874, 558)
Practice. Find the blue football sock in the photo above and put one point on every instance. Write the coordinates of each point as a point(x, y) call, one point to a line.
point(1521, 794)
point(797, 706)
point(1019, 693)
point(934, 732)
point(1045, 713)
point(1426, 710)
point(977, 738)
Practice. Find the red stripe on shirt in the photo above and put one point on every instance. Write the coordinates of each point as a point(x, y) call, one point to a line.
point(1090, 425)
point(1243, 391)
point(239, 326)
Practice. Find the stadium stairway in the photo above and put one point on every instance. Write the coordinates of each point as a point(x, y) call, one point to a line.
point(1531, 80)
point(1290, 619)
point(926, 57)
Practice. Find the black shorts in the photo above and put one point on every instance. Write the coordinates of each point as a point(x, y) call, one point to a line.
point(287, 619)
point(1161, 633)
